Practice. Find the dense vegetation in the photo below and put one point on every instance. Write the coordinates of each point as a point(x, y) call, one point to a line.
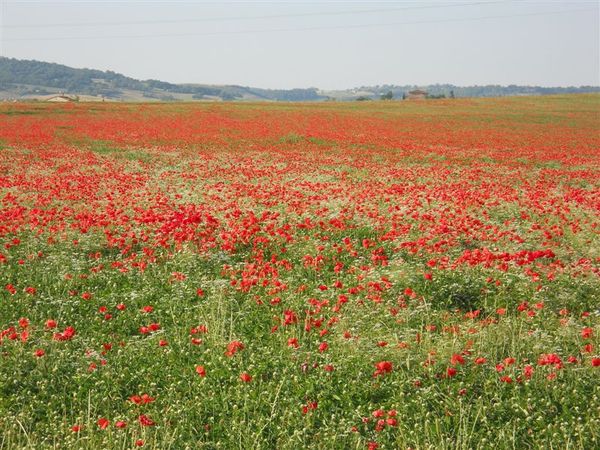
point(353, 275)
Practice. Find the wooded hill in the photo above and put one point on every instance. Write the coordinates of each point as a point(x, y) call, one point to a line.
point(28, 79)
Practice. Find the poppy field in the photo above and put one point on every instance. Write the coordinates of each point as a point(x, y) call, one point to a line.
point(374, 275)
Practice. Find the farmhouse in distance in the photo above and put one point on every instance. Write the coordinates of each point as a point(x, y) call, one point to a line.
point(62, 98)
point(417, 94)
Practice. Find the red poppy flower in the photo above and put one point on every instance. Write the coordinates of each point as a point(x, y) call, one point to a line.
point(246, 377)
point(233, 347)
point(378, 413)
point(146, 421)
point(548, 359)
point(141, 399)
point(457, 359)
point(66, 335)
point(289, 317)
point(103, 423)
point(382, 367)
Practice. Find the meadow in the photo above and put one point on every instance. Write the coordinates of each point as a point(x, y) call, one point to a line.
point(366, 275)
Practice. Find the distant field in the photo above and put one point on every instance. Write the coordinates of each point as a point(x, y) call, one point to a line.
point(356, 275)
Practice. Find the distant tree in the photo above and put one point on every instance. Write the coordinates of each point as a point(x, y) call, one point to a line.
point(388, 96)
point(452, 94)
point(227, 96)
point(362, 98)
point(404, 96)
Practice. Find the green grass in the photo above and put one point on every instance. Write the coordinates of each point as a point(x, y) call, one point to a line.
point(78, 215)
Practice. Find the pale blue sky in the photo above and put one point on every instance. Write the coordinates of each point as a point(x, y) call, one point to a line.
point(322, 44)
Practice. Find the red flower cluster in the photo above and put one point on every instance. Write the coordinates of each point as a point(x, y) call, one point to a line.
point(233, 347)
point(382, 368)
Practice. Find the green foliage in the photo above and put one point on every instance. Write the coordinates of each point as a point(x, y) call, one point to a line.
point(421, 313)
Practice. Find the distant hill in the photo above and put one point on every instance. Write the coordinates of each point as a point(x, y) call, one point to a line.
point(27, 79)
point(36, 79)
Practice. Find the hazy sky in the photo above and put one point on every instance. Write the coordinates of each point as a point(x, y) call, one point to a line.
point(322, 44)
